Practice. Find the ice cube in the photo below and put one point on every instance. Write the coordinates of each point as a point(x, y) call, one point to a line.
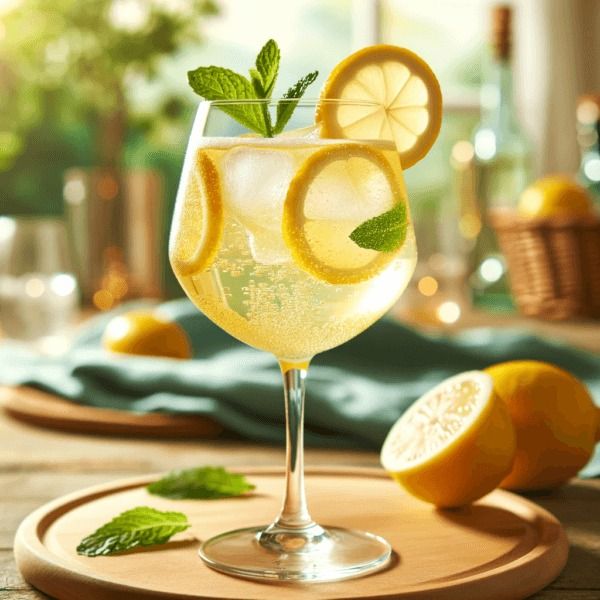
point(267, 246)
point(255, 183)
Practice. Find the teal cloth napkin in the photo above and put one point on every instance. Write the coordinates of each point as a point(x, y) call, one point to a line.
point(354, 392)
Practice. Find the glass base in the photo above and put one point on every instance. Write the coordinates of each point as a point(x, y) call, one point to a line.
point(331, 555)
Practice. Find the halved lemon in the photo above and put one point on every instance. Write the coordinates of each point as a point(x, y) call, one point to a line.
point(400, 95)
point(454, 444)
point(199, 221)
point(335, 190)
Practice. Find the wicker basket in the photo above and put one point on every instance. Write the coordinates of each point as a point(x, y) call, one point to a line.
point(553, 263)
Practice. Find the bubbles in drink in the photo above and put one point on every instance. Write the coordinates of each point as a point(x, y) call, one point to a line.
point(254, 288)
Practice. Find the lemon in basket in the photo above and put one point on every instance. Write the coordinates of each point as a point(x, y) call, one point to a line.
point(555, 196)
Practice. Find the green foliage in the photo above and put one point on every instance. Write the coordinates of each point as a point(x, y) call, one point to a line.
point(91, 49)
point(140, 526)
point(66, 71)
point(206, 483)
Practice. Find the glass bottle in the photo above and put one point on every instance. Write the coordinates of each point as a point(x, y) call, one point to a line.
point(588, 137)
point(502, 165)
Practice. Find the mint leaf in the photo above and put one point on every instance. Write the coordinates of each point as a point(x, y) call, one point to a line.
point(200, 483)
point(385, 232)
point(218, 83)
point(267, 65)
point(256, 81)
point(141, 526)
point(263, 78)
point(285, 108)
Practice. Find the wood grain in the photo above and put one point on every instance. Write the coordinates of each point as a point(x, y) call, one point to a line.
point(37, 465)
point(509, 546)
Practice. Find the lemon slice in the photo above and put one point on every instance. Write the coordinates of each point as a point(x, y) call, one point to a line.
point(454, 444)
point(401, 97)
point(199, 221)
point(334, 191)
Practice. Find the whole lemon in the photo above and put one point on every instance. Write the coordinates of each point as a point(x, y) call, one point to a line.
point(143, 332)
point(555, 195)
point(555, 419)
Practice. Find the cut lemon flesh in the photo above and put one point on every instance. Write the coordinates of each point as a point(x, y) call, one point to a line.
point(199, 220)
point(334, 191)
point(397, 97)
point(454, 444)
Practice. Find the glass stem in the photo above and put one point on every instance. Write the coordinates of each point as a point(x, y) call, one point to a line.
point(294, 531)
point(294, 513)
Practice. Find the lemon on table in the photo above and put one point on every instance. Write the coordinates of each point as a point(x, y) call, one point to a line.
point(334, 191)
point(454, 444)
point(145, 333)
point(554, 196)
point(196, 239)
point(556, 422)
point(402, 101)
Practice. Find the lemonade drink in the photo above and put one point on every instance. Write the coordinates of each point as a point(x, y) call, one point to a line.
point(257, 286)
point(294, 237)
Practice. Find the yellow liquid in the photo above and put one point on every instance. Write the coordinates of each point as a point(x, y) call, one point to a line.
point(253, 289)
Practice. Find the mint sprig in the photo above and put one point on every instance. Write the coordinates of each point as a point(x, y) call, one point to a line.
point(219, 83)
point(140, 526)
point(385, 232)
point(201, 483)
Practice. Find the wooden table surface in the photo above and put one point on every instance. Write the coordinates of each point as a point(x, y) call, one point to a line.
point(37, 465)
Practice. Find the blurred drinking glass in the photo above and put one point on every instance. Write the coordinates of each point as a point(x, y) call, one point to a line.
point(38, 291)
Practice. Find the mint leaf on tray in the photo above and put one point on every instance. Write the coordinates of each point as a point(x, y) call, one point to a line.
point(140, 526)
point(200, 483)
point(385, 232)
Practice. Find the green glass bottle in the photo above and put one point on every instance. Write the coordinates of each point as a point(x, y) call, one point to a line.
point(502, 166)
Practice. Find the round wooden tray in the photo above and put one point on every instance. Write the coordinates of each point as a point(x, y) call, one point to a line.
point(48, 410)
point(501, 547)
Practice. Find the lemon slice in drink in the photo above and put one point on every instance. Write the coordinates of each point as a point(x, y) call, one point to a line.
point(200, 221)
point(454, 444)
point(401, 95)
point(334, 191)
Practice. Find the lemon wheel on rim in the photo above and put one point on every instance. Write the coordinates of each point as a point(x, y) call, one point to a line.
point(397, 98)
